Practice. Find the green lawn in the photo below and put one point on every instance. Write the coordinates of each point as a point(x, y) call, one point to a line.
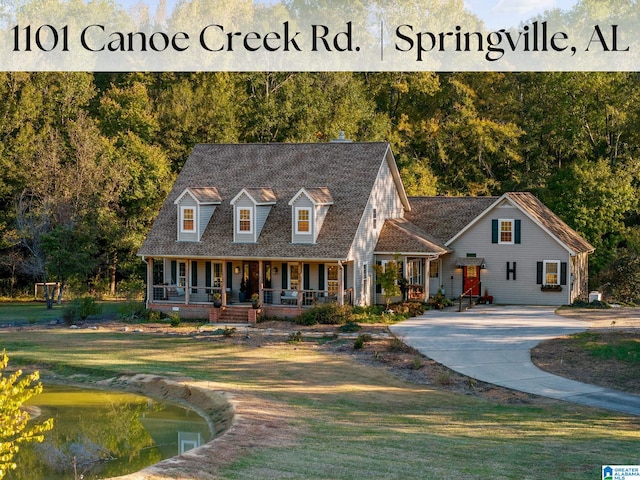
point(23, 313)
point(353, 421)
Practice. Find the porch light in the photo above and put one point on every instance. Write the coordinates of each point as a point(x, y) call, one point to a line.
point(275, 269)
point(237, 270)
point(483, 267)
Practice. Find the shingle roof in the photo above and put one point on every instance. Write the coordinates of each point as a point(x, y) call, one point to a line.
point(347, 170)
point(206, 194)
point(549, 220)
point(444, 217)
point(321, 195)
point(401, 236)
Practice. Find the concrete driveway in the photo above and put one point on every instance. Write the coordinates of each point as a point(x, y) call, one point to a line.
point(492, 344)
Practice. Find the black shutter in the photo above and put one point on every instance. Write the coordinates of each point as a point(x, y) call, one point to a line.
point(174, 272)
point(540, 266)
point(285, 275)
point(305, 277)
point(321, 285)
point(378, 286)
point(563, 273)
point(511, 271)
point(345, 276)
point(194, 276)
point(494, 231)
point(518, 233)
point(229, 275)
point(207, 274)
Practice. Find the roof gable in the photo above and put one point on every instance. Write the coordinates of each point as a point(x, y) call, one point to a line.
point(317, 196)
point(259, 196)
point(202, 195)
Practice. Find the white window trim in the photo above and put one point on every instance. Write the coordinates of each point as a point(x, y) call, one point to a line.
point(326, 276)
point(182, 210)
point(375, 218)
point(251, 216)
point(513, 232)
point(291, 276)
point(544, 271)
point(296, 221)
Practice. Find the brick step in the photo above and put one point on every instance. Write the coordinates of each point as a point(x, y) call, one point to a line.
point(235, 315)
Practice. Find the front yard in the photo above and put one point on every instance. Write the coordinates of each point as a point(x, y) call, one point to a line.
point(321, 409)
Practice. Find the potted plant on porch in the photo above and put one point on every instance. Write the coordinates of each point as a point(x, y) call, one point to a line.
point(217, 300)
point(255, 300)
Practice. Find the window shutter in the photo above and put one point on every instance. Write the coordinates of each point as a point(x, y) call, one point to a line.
point(511, 271)
point(207, 274)
point(194, 276)
point(563, 273)
point(321, 285)
point(378, 286)
point(305, 277)
point(345, 276)
point(174, 272)
point(518, 228)
point(229, 275)
point(285, 275)
point(539, 273)
point(494, 230)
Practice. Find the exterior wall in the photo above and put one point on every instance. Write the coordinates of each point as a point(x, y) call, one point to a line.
point(187, 201)
point(386, 201)
point(304, 202)
point(535, 246)
point(244, 202)
point(262, 212)
point(206, 212)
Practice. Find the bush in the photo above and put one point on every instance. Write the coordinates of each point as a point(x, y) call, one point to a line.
point(295, 337)
point(174, 319)
point(349, 327)
point(361, 340)
point(439, 302)
point(595, 304)
point(326, 314)
point(80, 309)
point(133, 310)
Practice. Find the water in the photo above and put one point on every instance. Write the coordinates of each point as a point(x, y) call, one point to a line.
point(105, 434)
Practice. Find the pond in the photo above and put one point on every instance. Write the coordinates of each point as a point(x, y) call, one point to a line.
point(99, 434)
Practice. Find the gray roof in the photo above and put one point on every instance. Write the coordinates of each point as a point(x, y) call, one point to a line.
point(346, 170)
point(401, 236)
point(444, 217)
point(206, 194)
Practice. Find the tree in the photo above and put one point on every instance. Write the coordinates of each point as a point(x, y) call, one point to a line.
point(14, 428)
point(387, 276)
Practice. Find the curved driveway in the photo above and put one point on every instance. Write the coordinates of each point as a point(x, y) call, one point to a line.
point(492, 344)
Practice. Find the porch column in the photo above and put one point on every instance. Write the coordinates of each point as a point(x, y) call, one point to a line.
point(300, 285)
point(223, 286)
point(340, 283)
point(187, 281)
point(405, 269)
point(149, 281)
point(261, 281)
point(427, 278)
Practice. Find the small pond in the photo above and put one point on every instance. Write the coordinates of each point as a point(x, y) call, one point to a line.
point(105, 434)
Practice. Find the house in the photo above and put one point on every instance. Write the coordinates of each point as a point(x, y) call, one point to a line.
point(300, 224)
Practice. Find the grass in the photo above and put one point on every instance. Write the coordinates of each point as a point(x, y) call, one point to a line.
point(23, 313)
point(623, 349)
point(355, 421)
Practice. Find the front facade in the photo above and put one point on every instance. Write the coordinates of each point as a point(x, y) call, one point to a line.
point(294, 225)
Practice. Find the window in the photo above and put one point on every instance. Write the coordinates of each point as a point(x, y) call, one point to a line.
point(244, 220)
point(188, 223)
point(217, 275)
point(293, 276)
point(506, 231)
point(182, 274)
point(414, 272)
point(434, 269)
point(551, 272)
point(332, 279)
point(303, 220)
point(375, 218)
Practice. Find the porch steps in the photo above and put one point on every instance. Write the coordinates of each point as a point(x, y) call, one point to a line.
point(235, 314)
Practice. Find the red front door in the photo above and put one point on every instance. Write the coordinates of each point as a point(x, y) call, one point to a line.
point(471, 280)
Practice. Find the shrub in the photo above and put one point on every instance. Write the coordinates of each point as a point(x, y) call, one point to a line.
point(133, 310)
point(439, 301)
point(229, 331)
point(326, 314)
point(361, 340)
point(80, 309)
point(349, 327)
point(174, 319)
point(295, 337)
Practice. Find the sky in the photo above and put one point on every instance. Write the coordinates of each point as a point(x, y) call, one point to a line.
point(509, 13)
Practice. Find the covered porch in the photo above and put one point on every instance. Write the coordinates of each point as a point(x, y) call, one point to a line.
point(280, 287)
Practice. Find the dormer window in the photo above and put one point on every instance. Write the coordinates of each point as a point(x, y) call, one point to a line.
point(188, 224)
point(195, 207)
point(244, 220)
point(303, 220)
point(309, 208)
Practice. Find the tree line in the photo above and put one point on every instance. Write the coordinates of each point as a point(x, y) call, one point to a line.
point(88, 158)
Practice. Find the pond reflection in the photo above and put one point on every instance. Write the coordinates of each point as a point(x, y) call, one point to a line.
point(100, 434)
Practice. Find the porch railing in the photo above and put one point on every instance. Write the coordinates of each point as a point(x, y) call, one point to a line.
point(176, 293)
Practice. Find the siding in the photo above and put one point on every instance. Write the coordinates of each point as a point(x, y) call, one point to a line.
point(187, 201)
point(262, 212)
point(206, 212)
point(535, 246)
point(385, 199)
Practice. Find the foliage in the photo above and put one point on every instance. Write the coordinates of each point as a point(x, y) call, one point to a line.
point(80, 309)
point(596, 304)
point(14, 428)
point(387, 278)
point(294, 337)
point(349, 327)
point(133, 310)
point(326, 314)
point(621, 280)
point(439, 301)
point(359, 342)
point(174, 319)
